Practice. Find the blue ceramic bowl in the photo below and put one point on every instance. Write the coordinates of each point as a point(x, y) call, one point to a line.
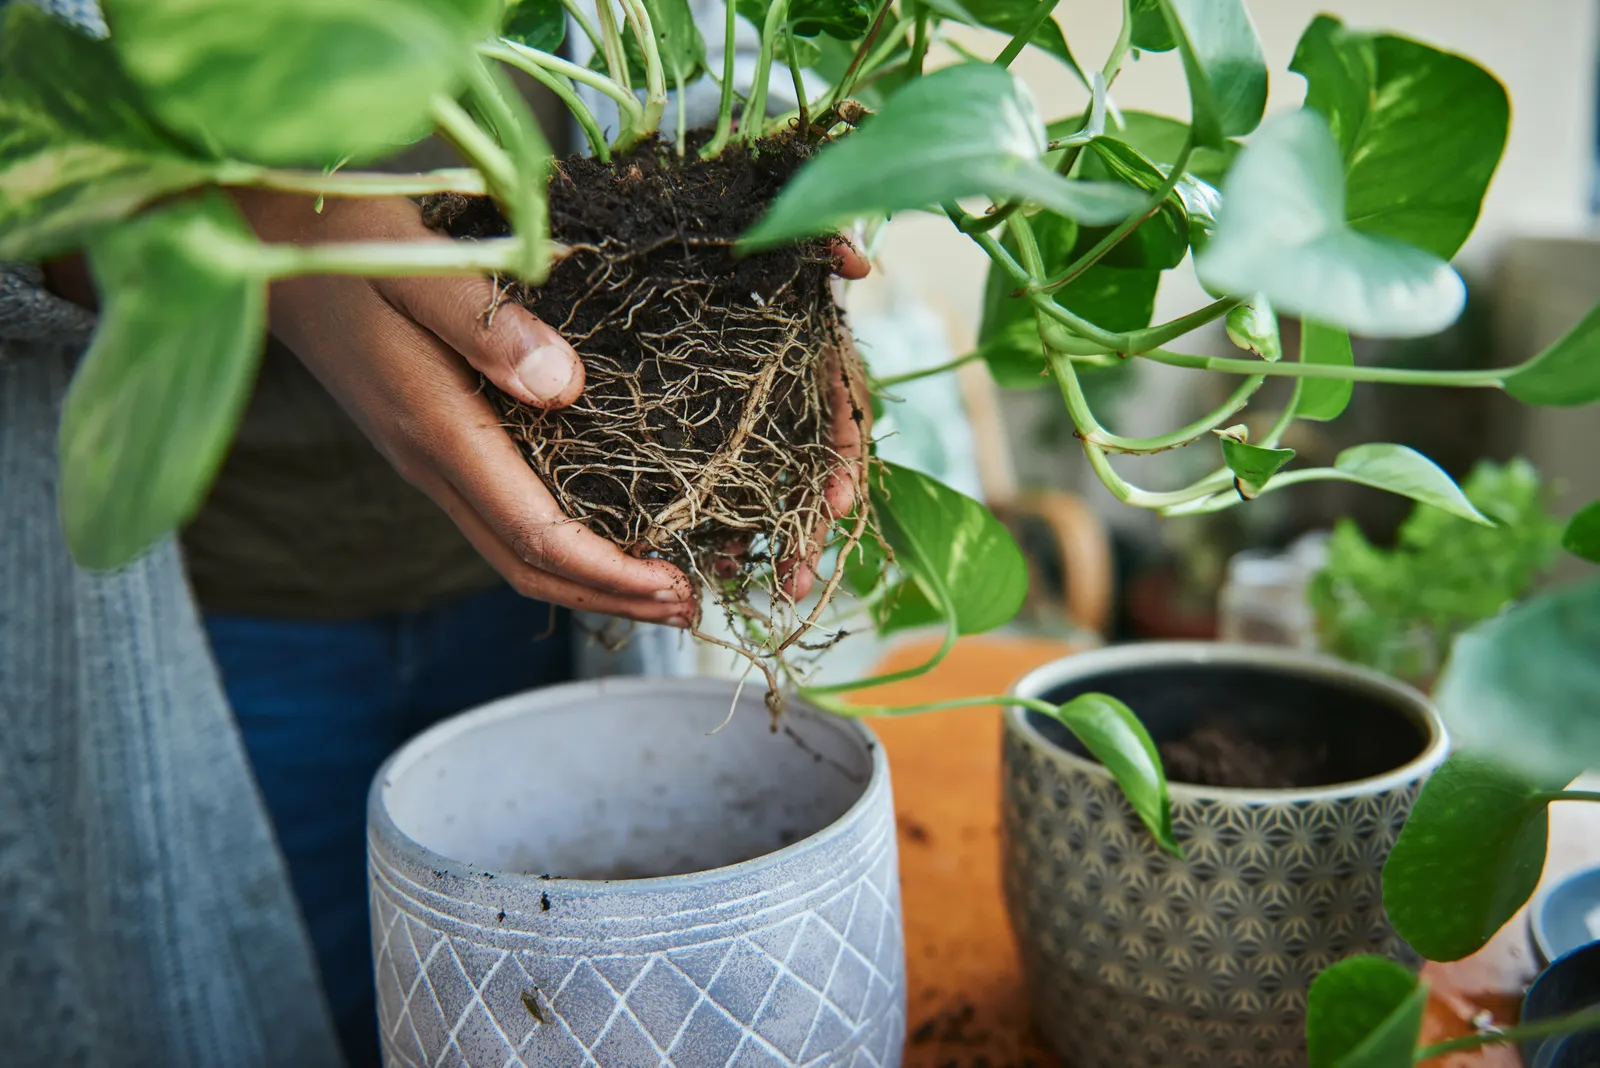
point(1566, 916)
point(1570, 983)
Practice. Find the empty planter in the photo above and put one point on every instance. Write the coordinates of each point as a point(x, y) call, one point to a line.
point(588, 875)
point(1139, 959)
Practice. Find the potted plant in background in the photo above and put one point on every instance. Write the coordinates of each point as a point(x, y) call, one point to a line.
point(1343, 212)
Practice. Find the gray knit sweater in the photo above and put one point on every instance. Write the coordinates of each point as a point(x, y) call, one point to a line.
point(146, 920)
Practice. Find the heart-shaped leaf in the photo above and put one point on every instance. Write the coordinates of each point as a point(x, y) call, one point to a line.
point(69, 160)
point(1159, 139)
point(1252, 465)
point(962, 556)
point(960, 131)
point(1109, 730)
point(1282, 232)
point(1567, 373)
point(1222, 61)
point(1324, 399)
point(1582, 536)
point(153, 404)
point(1520, 688)
point(1407, 472)
point(1364, 1012)
point(1254, 326)
point(1479, 830)
point(540, 24)
point(1420, 131)
point(1162, 240)
point(299, 81)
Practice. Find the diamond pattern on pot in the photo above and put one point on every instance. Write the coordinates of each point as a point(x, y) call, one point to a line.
point(812, 977)
point(1141, 960)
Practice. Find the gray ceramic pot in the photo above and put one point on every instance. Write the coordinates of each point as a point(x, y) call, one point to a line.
point(587, 875)
point(1137, 959)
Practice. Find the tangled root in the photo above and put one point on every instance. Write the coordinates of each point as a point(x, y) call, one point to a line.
point(704, 432)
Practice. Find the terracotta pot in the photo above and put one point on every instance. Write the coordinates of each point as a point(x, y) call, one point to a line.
point(1138, 959)
point(588, 875)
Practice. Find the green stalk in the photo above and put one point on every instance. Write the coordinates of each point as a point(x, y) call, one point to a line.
point(352, 184)
point(919, 37)
point(682, 113)
point(799, 82)
point(526, 158)
point(385, 259)
point(926, 372)
point(1024, 35)
point(1583, 1020)
point(1187, 435)
point(655, 85)
point(1491, 378)
point(581, 17)
point(1119, 50)
point(756, 110)
point(719, 139)
point(528, 59)
point(1286, 417)
point(580, 111)
point(1127, 226)
point(611, 35)
point(1570, 795)
point(846, 84)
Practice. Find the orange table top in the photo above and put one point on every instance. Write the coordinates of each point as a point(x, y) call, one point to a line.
point(967, 1003)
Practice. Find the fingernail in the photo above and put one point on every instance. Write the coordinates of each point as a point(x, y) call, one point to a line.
point(672, 593)
point(546, 371)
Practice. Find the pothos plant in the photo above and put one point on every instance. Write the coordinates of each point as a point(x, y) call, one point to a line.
point(692, 273)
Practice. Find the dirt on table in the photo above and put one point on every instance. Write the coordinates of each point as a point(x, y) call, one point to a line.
point(1220, 752)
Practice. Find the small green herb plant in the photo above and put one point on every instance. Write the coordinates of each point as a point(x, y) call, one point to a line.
point(1343, 213)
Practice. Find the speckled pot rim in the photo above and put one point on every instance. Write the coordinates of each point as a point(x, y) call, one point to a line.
point(382, 828)
point(1402, 698)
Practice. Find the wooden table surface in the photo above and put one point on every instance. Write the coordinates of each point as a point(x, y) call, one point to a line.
point(968, 1007)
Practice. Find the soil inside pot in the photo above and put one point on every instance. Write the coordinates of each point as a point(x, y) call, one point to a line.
point(1220, 752)
point(705, 417)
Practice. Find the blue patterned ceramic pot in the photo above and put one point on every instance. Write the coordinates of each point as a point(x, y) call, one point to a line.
point(1138, 959)
point(592, 874)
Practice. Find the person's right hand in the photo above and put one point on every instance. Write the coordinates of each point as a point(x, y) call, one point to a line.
point(402, 356)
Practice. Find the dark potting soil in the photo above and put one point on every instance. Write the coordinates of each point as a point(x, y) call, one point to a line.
point(704, 419)
point(1218, 752)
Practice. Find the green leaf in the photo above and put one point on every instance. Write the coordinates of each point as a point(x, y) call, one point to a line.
point(960, 131)
point(1008, 339)
point(1582, 536)
point(78, 151)
point(1520, 688)
point(152, 406)
point(960, 554)
point(678, 40)
point(1161, 241)
point(1421, 131)
point(1222, 61)
point(1282, 232)
point(1010, 16)
point(1150, 30)
point(1254, 327)
point(1407, 472)
point(1252, 465)
point(1364, 1012)
point(540, 24)
point(1468, 857)
point(1160, 139)
point(299, 81)
point(1324, 399)
point(1109, 729)
point(1567, 373)
point(844, 20)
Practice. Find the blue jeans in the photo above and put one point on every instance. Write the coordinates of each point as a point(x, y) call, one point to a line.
point(322, 703)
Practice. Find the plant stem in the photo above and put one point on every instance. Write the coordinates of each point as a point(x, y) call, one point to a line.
point(877, 711)
point(1571, 795)
point(1035, 19)
point(756, 111)
point(1179, 438)
point(730, 32)
point(353, 184)
point(926, 372)
point(460, 130)
point(842, 90)
point(1492, 378)
point(522, 152)
point(580, 111)
point(582, 19)
point(1583, 1020)
point(799, 82)
point(525, 59)
point(919, 37)
point(682, 113)
point(616, 55)
point(1127, 226)
point(386, 259)
point(655, 85)
point(1286, 417)
point(1119, 50)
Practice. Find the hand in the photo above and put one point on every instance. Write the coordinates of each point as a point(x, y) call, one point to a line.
point(402, 355)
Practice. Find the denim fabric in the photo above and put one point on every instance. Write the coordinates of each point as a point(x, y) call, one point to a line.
point(322, 703)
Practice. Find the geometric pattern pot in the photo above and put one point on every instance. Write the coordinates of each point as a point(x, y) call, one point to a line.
point(788, 957)
point(1138, 959)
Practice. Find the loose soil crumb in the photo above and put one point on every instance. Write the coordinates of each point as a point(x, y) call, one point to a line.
point(1220, 753)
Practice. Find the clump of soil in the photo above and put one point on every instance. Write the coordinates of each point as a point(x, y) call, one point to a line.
point(1219, 752)
point(712, 380)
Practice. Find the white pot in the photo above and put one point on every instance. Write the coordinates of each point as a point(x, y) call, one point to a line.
point(588, 875)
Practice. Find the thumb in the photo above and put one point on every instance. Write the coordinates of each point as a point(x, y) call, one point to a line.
point(523, 356)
